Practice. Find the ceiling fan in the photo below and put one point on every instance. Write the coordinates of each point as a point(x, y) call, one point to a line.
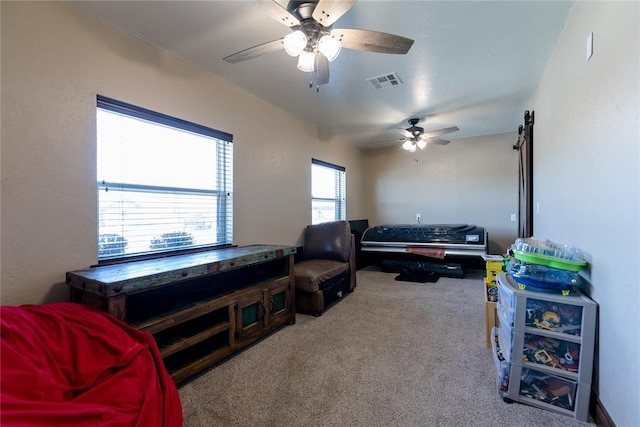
point(314, 40)
point(416, 137)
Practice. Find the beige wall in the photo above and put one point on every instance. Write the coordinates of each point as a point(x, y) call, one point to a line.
point(470, 181)
point(587, 180)
point(54, 62)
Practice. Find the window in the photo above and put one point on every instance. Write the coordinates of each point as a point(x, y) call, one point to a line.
point(328, 200)
point(164, 184)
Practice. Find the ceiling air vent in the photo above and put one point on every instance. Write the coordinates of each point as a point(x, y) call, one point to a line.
point(390, 79)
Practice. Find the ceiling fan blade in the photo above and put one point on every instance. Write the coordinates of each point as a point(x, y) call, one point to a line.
point(406, 133)
point(441, 132)
point(322, 69)
point(372, 41)
point(252, 52)
point(329, 11)
point(437, 141)
point(277, 12)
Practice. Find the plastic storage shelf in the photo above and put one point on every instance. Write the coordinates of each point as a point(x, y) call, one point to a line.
point(552, 352)
point(548, 389)
point(506, 336)
point(503, 367)
point(506, 305)
point(549, 338)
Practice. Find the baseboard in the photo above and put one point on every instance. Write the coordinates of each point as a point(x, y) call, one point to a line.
point(599, 413)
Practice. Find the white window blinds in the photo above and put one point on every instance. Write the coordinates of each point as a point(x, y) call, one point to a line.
point(328, 192)
point(164, 184)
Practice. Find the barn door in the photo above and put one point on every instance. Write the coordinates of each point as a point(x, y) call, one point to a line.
point(525, 176)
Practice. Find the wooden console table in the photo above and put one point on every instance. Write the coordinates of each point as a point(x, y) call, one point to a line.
point(199, 307)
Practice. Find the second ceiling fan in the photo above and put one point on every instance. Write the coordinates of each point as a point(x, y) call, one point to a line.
point(416, 137)
point(314, 40)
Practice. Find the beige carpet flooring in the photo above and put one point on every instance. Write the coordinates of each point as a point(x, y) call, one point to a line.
point(389, 354)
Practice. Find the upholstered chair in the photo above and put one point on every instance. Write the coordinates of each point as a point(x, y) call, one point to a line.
point(328, 267)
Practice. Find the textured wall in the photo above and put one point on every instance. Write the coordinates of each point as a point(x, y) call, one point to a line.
point(586, 184)
point(470, 180)
point(54, 62)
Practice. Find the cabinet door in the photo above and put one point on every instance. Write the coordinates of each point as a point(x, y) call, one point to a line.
point(279, 302)
point(250, 314)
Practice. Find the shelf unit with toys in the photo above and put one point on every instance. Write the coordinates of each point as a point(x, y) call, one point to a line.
point(494, 266)
point(548, 340)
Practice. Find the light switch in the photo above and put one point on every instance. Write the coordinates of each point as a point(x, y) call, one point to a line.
point(514, 217)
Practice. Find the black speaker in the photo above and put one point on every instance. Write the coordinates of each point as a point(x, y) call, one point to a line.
point(358, 227)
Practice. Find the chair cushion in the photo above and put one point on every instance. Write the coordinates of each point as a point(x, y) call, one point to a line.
point(329, 240)
point(311, 274)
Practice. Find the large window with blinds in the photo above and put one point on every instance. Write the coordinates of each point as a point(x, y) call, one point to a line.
point(328, 198)
point(164, 184)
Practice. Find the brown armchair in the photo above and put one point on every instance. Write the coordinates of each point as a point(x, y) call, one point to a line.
point(328, 267)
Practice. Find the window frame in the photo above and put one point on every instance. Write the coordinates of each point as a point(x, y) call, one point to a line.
point(224, 179)
point(340, 201)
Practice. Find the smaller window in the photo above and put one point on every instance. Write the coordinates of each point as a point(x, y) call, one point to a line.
point(328, 192)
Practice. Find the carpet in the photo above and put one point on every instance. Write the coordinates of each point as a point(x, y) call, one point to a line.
point(389, 354)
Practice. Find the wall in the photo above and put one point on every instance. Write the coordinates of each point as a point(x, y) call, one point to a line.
point(54, 62)
point(469, 180)
point(586, 180)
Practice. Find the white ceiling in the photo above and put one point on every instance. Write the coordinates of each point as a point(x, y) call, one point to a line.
point(474, 64)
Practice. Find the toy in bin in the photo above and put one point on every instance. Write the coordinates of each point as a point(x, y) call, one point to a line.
point(542, 277)
point(555, 353)
point(562, 318)
point(492, 293)
point(549, 254)
point(548, 389)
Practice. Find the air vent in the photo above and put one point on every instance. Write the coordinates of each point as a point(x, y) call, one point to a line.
point(390, 79)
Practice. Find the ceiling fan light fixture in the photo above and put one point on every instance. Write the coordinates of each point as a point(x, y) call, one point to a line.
point(421, 144)
point(295, 42)
point(329, 47)
point(408, 144)
point(309, 21)
point(306, 61)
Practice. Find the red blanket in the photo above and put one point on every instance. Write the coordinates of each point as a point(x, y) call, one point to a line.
point(65, 364)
